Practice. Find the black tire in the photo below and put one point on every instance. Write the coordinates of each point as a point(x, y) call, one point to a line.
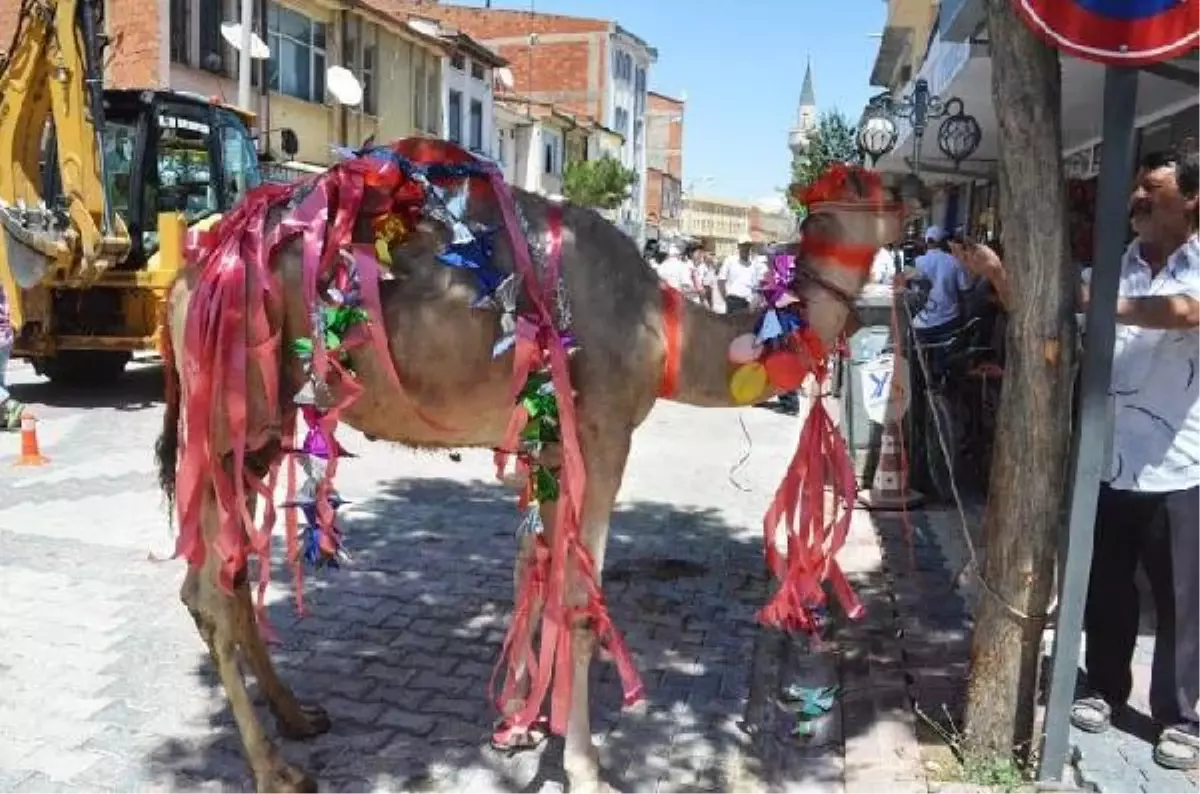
point(937, 467)
point(84, 368)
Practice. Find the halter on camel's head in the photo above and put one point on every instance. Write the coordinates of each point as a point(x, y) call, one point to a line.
point(850, 217)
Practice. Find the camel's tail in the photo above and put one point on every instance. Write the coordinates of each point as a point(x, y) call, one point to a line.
point(166, 450)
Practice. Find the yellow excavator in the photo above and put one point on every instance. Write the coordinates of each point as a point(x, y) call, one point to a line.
point(98, 188)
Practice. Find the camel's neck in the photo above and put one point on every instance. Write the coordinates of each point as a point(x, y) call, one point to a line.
point(704, 367)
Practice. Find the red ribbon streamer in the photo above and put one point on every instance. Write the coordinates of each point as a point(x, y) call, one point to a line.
point(553, 672)
point(672, 308)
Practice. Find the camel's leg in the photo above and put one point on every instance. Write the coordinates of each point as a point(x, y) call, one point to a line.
point(217, 618)
point(605, 450)
point(293, 719)
point(519, 677)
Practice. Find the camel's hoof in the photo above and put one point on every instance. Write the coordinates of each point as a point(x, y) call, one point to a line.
point(315, 723)
point(586, 776)
point(509, 741)
point(284, 778)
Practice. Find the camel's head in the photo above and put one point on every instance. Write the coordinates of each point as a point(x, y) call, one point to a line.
point(848, 208)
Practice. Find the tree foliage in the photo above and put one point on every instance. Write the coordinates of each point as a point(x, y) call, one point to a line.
point(833, 141)
point(602, 184)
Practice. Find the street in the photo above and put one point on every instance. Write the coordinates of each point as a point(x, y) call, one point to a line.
point(108, 686)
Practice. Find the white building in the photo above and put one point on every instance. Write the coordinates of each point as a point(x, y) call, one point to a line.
point(468, 77)
point(630, 60)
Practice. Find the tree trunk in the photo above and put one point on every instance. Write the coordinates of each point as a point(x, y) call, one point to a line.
point(1025, 503)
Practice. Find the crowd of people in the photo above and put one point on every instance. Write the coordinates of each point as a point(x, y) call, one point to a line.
point(730, 285)
point(727, 285)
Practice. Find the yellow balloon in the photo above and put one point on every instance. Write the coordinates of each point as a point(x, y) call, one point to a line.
point(748, 383)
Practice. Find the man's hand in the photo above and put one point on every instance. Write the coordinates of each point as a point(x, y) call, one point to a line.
point(981, 260)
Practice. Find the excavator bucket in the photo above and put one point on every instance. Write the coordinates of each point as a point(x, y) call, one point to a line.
point(25, 259)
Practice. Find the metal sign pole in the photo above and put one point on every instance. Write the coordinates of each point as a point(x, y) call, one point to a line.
point(1092, 436)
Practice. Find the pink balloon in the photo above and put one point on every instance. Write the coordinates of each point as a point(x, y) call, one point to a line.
point(744, 349)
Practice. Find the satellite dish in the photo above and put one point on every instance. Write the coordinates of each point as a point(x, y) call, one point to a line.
point(232, 33)
point(344, 86)
point(504, 76)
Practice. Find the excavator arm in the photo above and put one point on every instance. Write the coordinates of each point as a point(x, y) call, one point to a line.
point(53, 74)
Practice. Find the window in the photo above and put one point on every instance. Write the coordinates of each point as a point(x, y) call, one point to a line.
point(623, 66)
point(297, 54)
point(475, 130)
point(477, 71)
point(212, 46)
point(239, 159)
point(119, 144)
point(433, 100)
point(621, 121)
point(501, 156)
point(458, 61)
point(637, 135)
point(181, 32)
point(370, 99)
point(639, 91)
point(181, 177)
point(419, 95)
point(551, 152)
point(454, 117)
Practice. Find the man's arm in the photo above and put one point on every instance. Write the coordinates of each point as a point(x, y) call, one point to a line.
point(1160, 312)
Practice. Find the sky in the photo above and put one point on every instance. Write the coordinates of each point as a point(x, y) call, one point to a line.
point(740, 65)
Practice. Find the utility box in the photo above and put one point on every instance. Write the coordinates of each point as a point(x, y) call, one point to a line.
point(866, 346)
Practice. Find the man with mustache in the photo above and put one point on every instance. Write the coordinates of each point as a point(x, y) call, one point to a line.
point(1148, 508)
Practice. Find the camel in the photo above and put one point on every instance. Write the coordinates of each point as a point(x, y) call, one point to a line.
point(431, 365)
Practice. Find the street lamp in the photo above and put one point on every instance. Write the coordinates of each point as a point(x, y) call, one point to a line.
point(877, 133)
point(958, 137)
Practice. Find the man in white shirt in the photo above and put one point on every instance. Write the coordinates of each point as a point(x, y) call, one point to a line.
point(706, 277)
point(680, 273)
point(1148, 508)
point(739, 277)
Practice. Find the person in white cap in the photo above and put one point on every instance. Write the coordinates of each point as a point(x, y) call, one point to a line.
point(739, 277)
point(947, 279)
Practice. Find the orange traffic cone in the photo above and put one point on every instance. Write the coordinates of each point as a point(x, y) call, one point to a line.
point(889, 491)
point(30, 454)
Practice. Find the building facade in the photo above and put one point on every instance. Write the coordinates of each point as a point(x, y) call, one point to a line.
point(178, 44)
point(586, 67)
point(948, 47)
point(536, 141)
point(664, 165)
point(467, 86)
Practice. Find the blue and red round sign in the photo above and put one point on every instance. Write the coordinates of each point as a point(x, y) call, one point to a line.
point(1116, 32)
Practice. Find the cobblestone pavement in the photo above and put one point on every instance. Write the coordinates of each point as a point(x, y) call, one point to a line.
point(107, 686)
point(1120, 759)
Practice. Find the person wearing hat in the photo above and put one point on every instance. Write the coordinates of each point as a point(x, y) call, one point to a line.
point(946, 278)
point(739, 277)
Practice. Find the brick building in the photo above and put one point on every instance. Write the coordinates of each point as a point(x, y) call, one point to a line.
point(664, 164)
point(591, 67)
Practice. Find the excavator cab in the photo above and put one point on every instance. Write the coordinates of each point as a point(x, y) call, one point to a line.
point(164, 152)
point(170, 160)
